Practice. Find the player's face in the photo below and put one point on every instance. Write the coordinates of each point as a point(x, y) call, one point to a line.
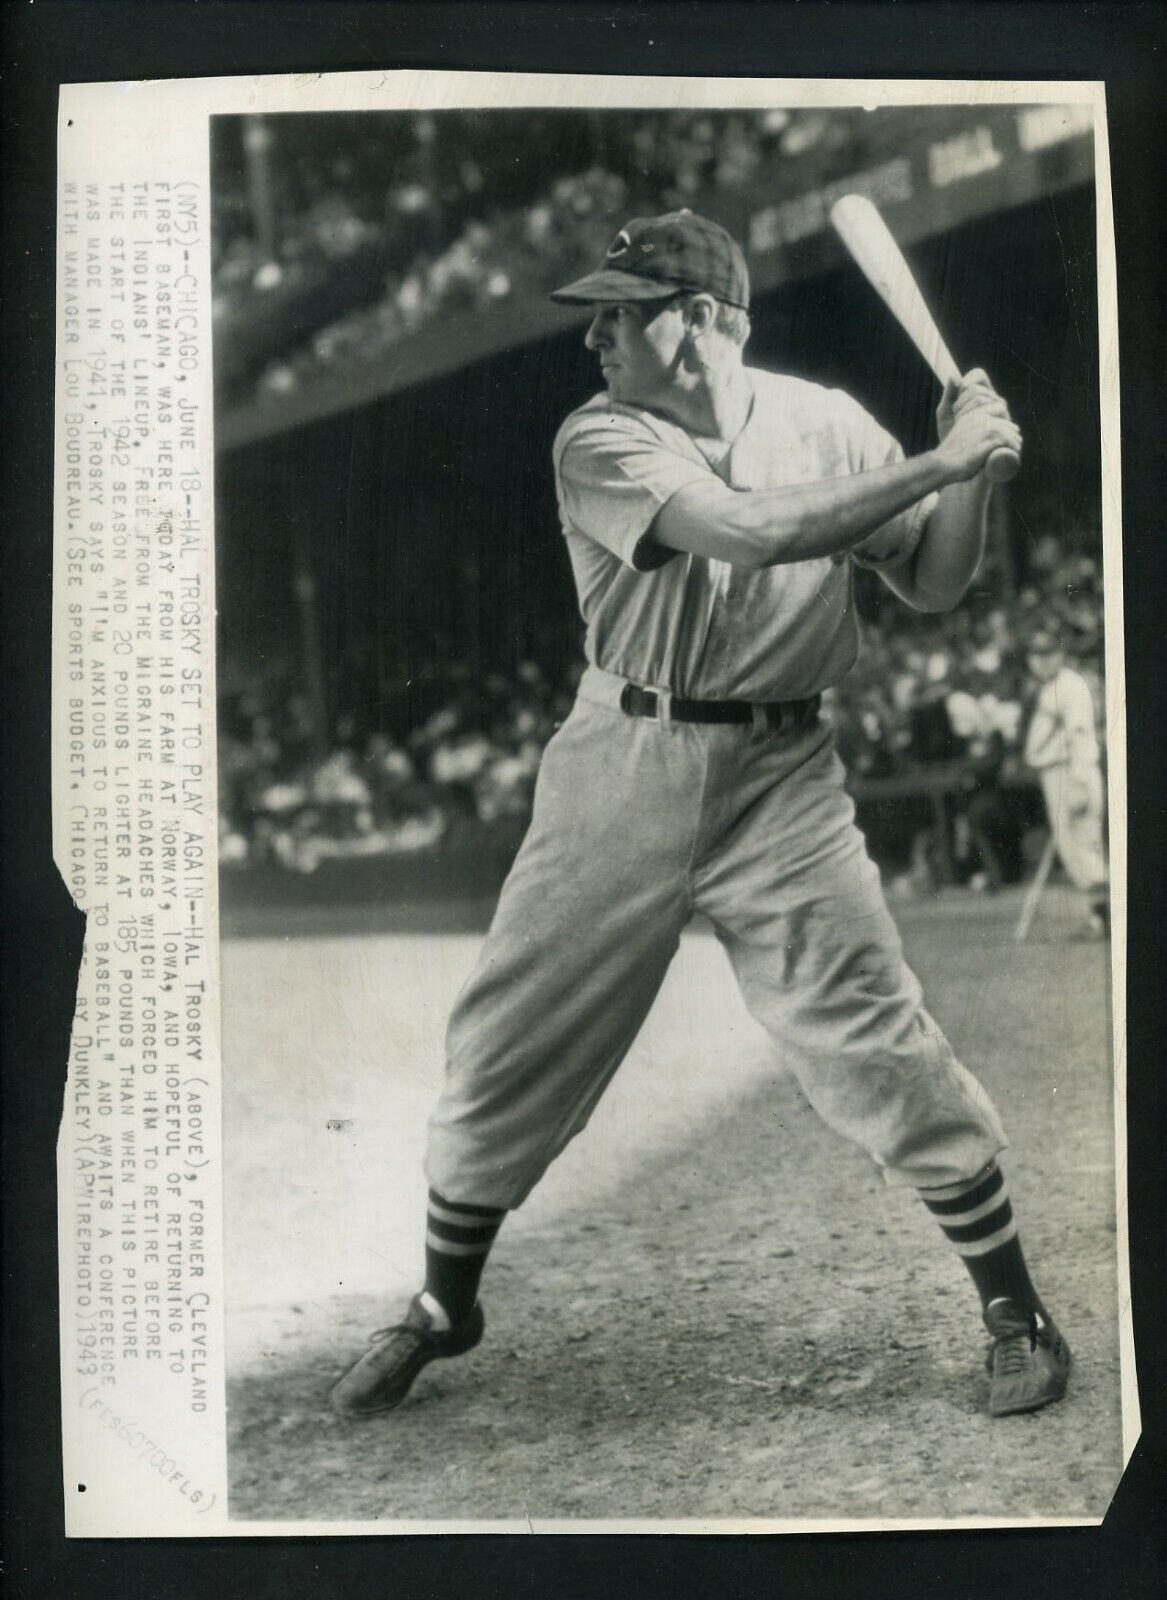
point(639, 345)
point(1045, 664)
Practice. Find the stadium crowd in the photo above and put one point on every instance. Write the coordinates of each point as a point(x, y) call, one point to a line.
point(472, 761)
point(439, 221)
point(926, 686)
point(928, 691)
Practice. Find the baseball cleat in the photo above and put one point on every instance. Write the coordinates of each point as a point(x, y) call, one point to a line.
point(383, 1376)
point(1028, 1360)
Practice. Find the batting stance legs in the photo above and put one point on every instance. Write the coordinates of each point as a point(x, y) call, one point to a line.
point(637, 824)
point(1075, 818)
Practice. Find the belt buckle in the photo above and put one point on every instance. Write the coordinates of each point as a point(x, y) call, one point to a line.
point(637, 701)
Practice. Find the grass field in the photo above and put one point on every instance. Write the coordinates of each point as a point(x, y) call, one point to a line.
point(712, 1310)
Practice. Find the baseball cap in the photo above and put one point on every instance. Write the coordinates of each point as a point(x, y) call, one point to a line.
point(652, 258)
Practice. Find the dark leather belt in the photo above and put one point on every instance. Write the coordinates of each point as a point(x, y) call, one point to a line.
point(781, 716)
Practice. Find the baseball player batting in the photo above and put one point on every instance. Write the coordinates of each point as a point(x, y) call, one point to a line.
point(713, 513)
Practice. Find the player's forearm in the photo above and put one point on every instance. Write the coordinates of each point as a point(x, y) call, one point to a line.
point(952, 546)
point(772, 527)
point(1043, 729)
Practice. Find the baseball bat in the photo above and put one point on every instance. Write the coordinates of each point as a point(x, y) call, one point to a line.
point(869, 239)
point(1033, 893)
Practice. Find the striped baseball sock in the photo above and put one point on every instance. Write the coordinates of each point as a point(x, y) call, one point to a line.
point(457, 1242)
point(977, 1218)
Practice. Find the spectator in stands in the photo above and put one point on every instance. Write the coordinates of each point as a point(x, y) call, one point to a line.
point(406, 816)
point(390, 777)
point(341, 796)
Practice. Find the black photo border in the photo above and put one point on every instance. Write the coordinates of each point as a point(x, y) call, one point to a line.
point(48, 42)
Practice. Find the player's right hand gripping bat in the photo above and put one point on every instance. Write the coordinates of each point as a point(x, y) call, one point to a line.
point(869, 240)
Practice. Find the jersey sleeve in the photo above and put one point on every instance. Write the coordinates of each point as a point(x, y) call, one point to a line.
point(871, 446)
point(613, 474)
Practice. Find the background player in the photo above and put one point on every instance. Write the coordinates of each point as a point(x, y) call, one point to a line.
point(710, 510)
point(1061, 745)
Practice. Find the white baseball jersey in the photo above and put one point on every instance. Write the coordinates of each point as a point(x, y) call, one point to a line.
point(704, 628)
point(1063, 731)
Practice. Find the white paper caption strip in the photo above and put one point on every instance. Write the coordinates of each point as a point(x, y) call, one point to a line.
point(133, 707)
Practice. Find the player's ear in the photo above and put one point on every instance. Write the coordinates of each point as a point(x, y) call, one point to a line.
point(700, 312)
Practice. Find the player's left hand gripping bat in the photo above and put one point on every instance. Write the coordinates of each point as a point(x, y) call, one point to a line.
point(870, 241)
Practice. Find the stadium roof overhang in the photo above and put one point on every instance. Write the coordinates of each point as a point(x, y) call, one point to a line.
point(928, 169)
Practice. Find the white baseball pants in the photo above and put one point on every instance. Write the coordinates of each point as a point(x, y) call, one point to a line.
point(637, 824)
point(1076, 824)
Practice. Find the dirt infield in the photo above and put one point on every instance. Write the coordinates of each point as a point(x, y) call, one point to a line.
point(743, 1322)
